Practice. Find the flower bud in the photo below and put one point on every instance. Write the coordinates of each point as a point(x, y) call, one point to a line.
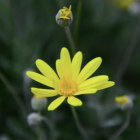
point(124, 102)
point(64, 17)
point(123, 4)
point(38, 104)
point(4, 137)
point(134, 8)
point(34, 119)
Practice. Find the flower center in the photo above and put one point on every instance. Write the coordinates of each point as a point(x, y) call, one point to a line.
point(67, 87)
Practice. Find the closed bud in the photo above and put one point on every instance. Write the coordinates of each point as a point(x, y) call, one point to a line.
point(64, 17)
point(38, 103)
point(134, 8)
point(4, 137)
point(34, 119)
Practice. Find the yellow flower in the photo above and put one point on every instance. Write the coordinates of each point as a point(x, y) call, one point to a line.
point(124, 102)
point(69, 81)
point(64, 16)
point(123, 4)
point(121, 100)
point(65, 13)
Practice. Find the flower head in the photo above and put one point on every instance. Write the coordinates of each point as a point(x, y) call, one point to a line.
point(38, 103)
point(123, 4)
point(124, 101)
point(34, 119)
point(134, 8)
point(70, 80)
point(64, 16)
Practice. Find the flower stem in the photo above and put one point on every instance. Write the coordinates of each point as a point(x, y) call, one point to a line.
point(51, 127)
point(60, 3)
point(77, 20)
point(128, 54)
point(70, 39)
point(39, 132)
point(124, 126)
point(80, 128)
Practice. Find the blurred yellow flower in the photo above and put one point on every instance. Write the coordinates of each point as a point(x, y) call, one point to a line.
point(123, 4)
point(121, 100)
point(69, 81)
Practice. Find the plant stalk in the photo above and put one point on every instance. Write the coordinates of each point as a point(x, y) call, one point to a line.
point(80, 128)
point(70, 39)
point(123, 127)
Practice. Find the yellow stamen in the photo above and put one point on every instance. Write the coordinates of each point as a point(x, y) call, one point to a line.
point(67, 87)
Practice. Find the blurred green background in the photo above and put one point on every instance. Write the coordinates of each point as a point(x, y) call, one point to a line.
point(100, 28)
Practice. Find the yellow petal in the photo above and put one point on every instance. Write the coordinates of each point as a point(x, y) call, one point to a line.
point(44, 92)
point(89, 69)
point(86, 91)
point(59, 68)
point(57, 102)
point(46, 70)
point(74, 101)
point(66, 62)
point(93, 81)
point(76, 63)
point(40, 78)
point(106, 85)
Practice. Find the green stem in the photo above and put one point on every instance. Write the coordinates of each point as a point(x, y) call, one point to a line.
point(39, 132)
point(123, 127)
point(51, 127)
point(80, 128)
point(128, 54)
point(70, 39)
point(60, 3)
point(77, 20)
